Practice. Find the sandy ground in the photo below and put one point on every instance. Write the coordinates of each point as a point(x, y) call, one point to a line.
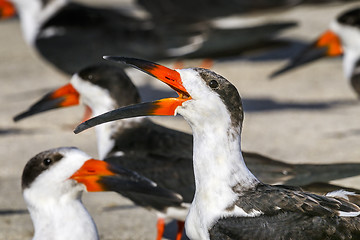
point(309, 115)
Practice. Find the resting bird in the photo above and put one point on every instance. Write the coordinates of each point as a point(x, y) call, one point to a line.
point(72, 36)
point(187, 10)
point(342, 38)
point(229, 201)
point(53, 182)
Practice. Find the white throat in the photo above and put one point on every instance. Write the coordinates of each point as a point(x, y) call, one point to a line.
point(106, 134)
point(217, 158)
point(350, 41)
point(33, 15)
point(100, 101)
point(65, 218)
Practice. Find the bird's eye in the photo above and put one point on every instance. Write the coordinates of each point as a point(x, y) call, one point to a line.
point(47, 161)
point(213, 84)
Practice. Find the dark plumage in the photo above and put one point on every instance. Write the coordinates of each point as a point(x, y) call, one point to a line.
point(355, 77)
point(350, 18)
point(76, 36)
point(305, 216)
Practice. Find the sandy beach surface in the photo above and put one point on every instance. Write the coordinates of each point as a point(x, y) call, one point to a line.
point(309, 115)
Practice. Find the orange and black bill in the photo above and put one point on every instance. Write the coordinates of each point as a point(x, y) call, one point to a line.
point(163, 107)
point(100, 176)
point(62, 97)
point(7, 9)
point(327, 45)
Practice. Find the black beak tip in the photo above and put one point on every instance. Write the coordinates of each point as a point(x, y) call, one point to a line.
point(276, 74)
point(17, 118)
point(140, 64)
point(81, 127)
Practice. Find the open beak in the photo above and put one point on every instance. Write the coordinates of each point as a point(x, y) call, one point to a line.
point(7, 10)
point(160, 107)
point(327, 45)
point(101, 176)
point(62, 97)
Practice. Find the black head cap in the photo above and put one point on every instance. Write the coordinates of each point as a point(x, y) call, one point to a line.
point(228, 94)
point(350, 17)
point(115, 80)
point(38, 164)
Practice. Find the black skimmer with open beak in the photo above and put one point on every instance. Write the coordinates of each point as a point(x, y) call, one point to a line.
point(53, 182)
point(104, 88)
point(60, 30)
point(229, 201)
point(343, 38)
point(153, 150)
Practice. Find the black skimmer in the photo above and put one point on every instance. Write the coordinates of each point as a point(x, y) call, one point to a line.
point(343, 37)
point(53, 182)
point(104, 88)
point(60, 31)
point(230, 202)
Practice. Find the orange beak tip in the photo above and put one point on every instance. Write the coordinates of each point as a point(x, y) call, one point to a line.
point(7, 9)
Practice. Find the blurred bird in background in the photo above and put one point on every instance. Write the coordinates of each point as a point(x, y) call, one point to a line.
point(72, 36)
point(342, 38)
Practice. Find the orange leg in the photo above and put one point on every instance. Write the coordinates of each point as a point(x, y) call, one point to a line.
point(87, 113)
point(180, 229)
point(160, 228)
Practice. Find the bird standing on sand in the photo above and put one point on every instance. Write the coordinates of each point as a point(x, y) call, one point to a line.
point(229, 201)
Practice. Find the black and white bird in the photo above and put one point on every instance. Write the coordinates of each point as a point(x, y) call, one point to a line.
point(102, 88)
point(72, 36)
point(53, 182)
point(229, 201)
point(105, 87)
point(165, 155)
point(343, 37)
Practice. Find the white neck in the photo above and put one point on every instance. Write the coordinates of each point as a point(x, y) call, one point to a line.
point(349, 36)
point(350, 58)
point(105, 142)
point(218, 167)
point(106, 133)
point(61, 218)
point(33, 15)
point(100, 101)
